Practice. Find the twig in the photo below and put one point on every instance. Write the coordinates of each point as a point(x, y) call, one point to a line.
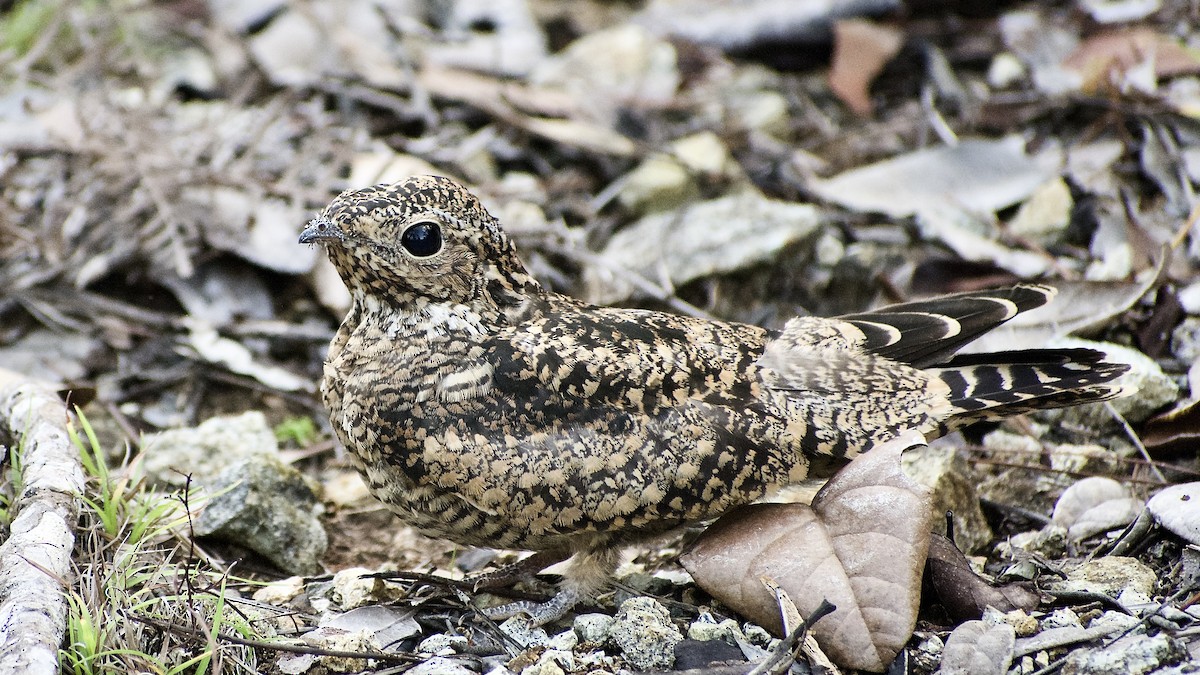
point(33, 607)
point(275, 646)
point(1137, 442)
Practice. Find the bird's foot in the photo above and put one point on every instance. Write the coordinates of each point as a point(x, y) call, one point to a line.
point(519, 571)
point(540, 613)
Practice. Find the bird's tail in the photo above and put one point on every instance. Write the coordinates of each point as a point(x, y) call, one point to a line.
point(927, 334)
point(1001, 384)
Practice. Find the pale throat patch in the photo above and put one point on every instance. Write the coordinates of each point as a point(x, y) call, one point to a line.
point(439, 319)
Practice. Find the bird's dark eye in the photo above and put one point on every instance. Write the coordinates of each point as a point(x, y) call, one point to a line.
point(423, 239)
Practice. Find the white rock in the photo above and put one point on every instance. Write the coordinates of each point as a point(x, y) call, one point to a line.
point(1094, 505)
point(1005, 70)
point(1045, 213)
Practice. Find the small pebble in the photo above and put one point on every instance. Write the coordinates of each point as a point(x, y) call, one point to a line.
point(645, 635)
point(441, 644)
point(519, 629)
point(593, 629)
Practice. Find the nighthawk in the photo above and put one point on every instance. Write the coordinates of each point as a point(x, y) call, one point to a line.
point(484, 409)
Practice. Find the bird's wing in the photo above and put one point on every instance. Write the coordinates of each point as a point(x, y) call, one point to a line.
point(926, 332)
point(634, 360)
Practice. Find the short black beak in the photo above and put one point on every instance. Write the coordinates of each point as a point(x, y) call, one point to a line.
point(320, 230)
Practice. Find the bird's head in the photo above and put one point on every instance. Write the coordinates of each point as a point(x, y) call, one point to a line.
point(424, 239)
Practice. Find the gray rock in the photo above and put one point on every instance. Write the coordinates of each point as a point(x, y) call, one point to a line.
point(1111, 575)
point(350, 588)
point(606, 69)
point(659, 183)
point(52, 353)
point(238, 16)
point(512, 44)
point(1045, 214)
point(552, 662)
point(645, 635)
point(946, 473)
point(593, 629)
point(758, 635)
point(1132, 654)
point(202, 452)
point(1084, 459)
point(441, 644)
point(1185, 341)
point(333, 640)
point(543, 667)
point(266, 506)
point(1061, 618)
point(705, 630)
point(523, 633)
point(566, 640)
point(1119, 621)
point(928, 653)
point(1093, 505)
point(282, 50)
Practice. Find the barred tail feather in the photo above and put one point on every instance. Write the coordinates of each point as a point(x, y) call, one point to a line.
point(997, 385)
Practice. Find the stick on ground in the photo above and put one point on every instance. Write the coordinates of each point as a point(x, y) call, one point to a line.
point(37, 554)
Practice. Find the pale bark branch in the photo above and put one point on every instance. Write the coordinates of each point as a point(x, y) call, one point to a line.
point(36, 558)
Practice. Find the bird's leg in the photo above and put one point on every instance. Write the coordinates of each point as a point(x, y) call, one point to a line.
point(588, 573)
point(518, 571)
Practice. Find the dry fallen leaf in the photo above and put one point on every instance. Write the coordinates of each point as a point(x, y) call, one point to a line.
point(1177, 508)
point(1112, 58)
point(210, 346)
point(710, 237)
point(860, 51)
point(497, 98)
point(1079, 307)
point(963, 593)
point(1175, 432)
point(861, 546)
point(975, 648)
point(977, 175)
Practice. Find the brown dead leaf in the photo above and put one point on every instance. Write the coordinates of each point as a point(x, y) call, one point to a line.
point(965, 594)
point(1174, 432)
point(860, 51)
point(861, 546)
point(1108, 59)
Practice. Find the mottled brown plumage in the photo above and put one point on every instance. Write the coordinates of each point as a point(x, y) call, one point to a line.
point(486, 410)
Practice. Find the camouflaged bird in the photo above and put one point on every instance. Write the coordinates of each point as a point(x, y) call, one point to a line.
point(484, 409)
